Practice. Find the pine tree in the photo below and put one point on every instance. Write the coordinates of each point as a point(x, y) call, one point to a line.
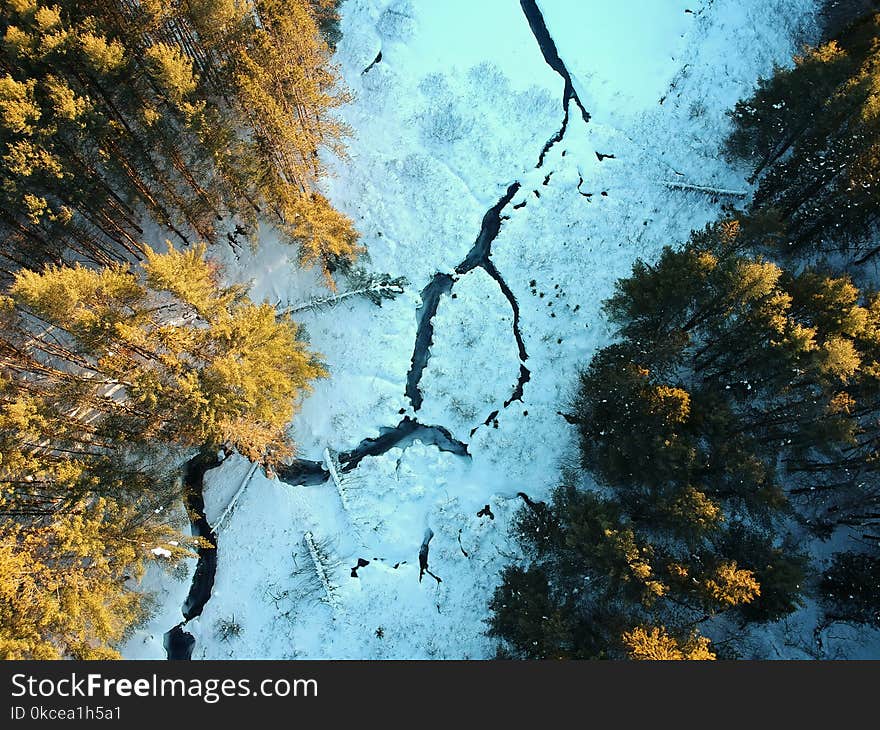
point(193, 363)
point(63, 587)
point(813, 134)
point(191, 112)
point(850, 588)
point(108, 378)
point(736, 395)
point(655, 644)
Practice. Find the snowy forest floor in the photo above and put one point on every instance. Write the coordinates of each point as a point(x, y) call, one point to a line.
point(458, 109)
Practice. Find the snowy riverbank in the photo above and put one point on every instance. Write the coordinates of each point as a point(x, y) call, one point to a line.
point(459, 109)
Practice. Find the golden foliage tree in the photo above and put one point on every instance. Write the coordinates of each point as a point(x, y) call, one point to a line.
point(653, 643)
point(193, 113)
point(108, 378)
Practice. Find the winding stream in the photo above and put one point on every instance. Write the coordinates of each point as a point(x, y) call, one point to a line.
point(551, 55)
point(178, 643)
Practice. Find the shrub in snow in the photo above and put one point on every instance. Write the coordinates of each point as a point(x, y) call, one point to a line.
point(227, 628)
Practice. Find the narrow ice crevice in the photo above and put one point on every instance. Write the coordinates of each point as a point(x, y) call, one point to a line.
point(303, 472)
point(423, 557)
point(551, 56)
point(376, 60)
point(492, 271)
point(478, 257)
point(439, 284)
point(489, 230)
point(178, 642)
point(401, 436)
point(554, 139)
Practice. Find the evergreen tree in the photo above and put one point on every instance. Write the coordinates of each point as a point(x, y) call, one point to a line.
point(597, 573)
point(737, 395)
point(108, 378)
point(739, 399)
point(191, 112)
point(813, 134)
point(850, 588)
point(726, 362)
point(188, 361)
point(654, 644)
point(63, 582)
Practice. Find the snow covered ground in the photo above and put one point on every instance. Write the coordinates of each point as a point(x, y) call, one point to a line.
point(459, 107)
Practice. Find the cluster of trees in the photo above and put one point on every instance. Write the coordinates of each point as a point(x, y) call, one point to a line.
point(108, 377)
point(202, 112)
point(812, 133)
point(118, 362)
point(740, 398)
